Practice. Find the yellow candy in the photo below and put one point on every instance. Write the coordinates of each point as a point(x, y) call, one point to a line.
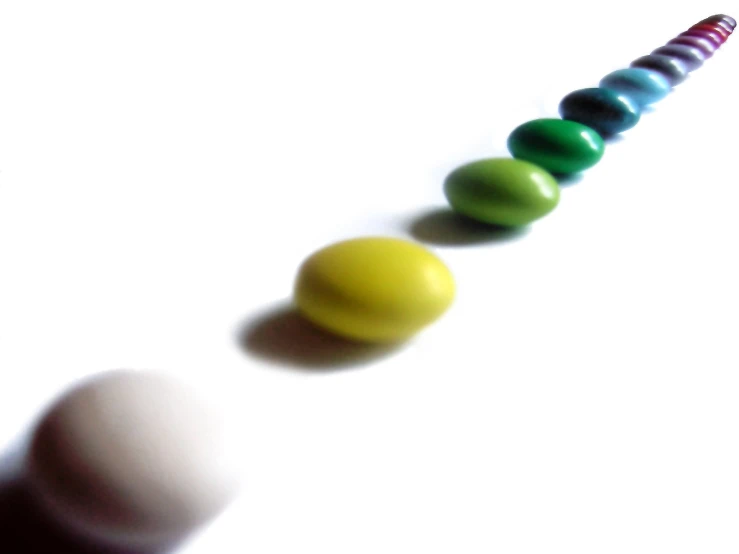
point(373, 289)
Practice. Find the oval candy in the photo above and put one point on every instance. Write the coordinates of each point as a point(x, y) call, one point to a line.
point(604, 110)
point(557, 145)
point(730, 20)
point(723, 24)
point(712, 28)
point(643, 86)
point(133, 459)
point(726, 18)
point(671, 69)
point(713, 36)
point(703, 44)
point(692, 57)
point(721, 18)
point(502, 191)
point(374, 289)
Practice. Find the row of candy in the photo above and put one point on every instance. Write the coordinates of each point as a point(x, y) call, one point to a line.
point(133, 458)
point(385, 290)
point(509, 192)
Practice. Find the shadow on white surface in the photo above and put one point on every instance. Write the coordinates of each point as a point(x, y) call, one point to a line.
point(26, 529)
point(284, 337)
point(443, 227)
point(569, 179)
point(614, 139)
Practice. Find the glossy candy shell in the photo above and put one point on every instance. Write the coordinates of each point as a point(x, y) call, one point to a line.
point(671, 69)
point(693, 58)
point(604, 110)
point(713, 36)
point(641, 85)
point(719, 23)
point(502, 191)
point(374, 289)
point(559, 146)
point(712, 28)
point(707, 47)
point(725, 26)
point(727, 19)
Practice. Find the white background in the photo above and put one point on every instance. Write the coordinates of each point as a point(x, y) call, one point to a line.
point(166, 166)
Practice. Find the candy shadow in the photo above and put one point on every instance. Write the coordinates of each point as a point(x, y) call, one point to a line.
point(26, 529)
point(613, 139)
point(284, 337)
point(443, 227)
point(568, 179)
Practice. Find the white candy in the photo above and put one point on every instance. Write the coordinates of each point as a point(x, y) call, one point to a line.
point(132, 458)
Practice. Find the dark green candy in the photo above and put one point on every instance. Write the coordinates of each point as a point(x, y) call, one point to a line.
point(557, 145)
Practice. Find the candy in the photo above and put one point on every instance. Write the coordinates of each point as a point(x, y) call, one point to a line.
point(728, 19)
point(502, 191)
point(721, 18)
point(641, 85)
point(692, 57)
point(712, 28)
point(558, 146)
point(724, 25)
point(604, 110)
point(707, 47)
point(713, 36)
point(133, 459)
point(671, 69)
point(373, 289)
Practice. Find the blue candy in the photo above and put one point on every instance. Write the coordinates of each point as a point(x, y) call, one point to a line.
point(643, 86)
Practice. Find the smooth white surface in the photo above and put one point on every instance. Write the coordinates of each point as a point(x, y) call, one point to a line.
point(166, 166)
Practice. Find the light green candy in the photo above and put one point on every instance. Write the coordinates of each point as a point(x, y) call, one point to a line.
point(502, 191)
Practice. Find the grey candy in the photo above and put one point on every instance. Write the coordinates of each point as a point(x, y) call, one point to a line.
point(671, 68)
point(691, 57)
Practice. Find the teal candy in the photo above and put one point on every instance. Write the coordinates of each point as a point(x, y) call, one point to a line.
point(643, 86)
point(607, 111)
